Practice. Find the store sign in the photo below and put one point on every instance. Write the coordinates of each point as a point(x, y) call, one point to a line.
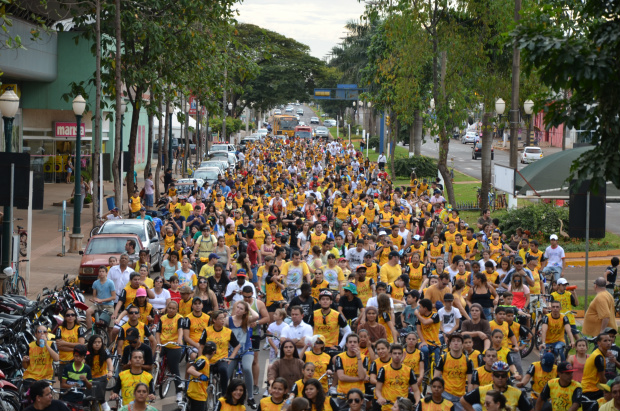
point(68, 130)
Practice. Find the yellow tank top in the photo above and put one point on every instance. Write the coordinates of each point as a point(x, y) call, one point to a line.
point(197, 325)
point(566, 308)
point(395, 383)
point(455, 372)
point(129, 381)
point(504, 327)
point(590, 374)
point(41, 363)
point(561, 397)
point(168, 329)
point(349, 366)
point(330, 329)
point(321, 362)
point(541, 378)
point(412, 360)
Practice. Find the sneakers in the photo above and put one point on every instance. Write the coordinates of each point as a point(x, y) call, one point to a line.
point(256, 390)
point(105, 406)
point(179, 396)
point(252, 403)
point(181, 386)
point(332, 391)
point(266, 393)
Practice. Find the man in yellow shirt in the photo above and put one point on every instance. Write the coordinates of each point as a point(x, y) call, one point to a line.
point(391, 270)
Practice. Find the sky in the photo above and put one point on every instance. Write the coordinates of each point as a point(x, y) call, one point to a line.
point(316, 23)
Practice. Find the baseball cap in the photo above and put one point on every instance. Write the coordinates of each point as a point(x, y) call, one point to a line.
point(319, 337)
point(519, 260)
point(195, 181)
point(382, 233)
point(547, 362)
point(374, 183)
point(553, 237)
point(351, 287)
point(141, 292)
point(361, 268)
point(80, 349)
point(241, 273)
point(177, 210)
point(142, 209)
point(565, 366)
point(604, 387)
point(562, 281)
point(213, 255)
point(417, 237)
point(132, 334)
point(341, 259)
point(376, 195)
point(610, 330)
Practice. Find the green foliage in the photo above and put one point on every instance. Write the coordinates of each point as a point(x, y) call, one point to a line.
point(423, 166)
point(373, 142)
point(540, 219)
point(582, 59)
point(233, 125)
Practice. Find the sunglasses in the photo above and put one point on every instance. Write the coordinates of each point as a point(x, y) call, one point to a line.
point(41, 331)
point(500, 375)
point(354, 400)
point(70, 315)
point(133, 312)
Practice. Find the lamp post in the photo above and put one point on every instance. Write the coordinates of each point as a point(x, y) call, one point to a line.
point(9, 103)
point(170, 112)
point(528, 107)
point(79, 104)
point(199, 147)
point(500, 106)
point(188, 149)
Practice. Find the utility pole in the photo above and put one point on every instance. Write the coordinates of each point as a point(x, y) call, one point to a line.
point(514, 109)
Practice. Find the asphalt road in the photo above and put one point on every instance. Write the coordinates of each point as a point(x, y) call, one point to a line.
point(459, 157)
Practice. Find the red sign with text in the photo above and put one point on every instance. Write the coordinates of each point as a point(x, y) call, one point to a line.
point(68, 130)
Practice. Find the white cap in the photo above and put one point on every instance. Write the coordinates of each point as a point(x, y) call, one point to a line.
point(553, 237)
point(562, 281)
point(382, 233)
point(416, 237)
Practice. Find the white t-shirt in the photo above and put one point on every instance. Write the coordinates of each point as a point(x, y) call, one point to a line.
point(355, 258)
point(482, 263)
point(448, 318)
point(149, 188)
point(234, 286)
point(372, 302)
point(159, 302)
point(555, 256)
point(303, 330)
point(277, 331)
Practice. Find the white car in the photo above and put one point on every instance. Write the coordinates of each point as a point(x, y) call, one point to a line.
point(531, 154)
point(277, 112)
point(300, 111)
point(315, 120)
point(329, 123)
point(262, 132)
point(289, 109)
point(470, 137)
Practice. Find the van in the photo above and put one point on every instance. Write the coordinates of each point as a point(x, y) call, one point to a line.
point(303, 132)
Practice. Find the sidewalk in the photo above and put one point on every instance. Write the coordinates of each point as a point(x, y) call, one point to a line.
point(47, 266)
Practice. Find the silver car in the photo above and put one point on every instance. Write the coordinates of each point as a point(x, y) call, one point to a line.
point(321, 132)
point(207, 174)
point(143, 229)
point(314, 120)
point(470, 137)
point(218, 155)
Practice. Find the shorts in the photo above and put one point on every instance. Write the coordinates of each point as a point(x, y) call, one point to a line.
point(272, 308)
point(148, 200)
point(191, 349)
point(255, 342)
point(109, 309)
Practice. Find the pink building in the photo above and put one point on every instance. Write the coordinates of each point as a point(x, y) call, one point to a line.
point(551, 137)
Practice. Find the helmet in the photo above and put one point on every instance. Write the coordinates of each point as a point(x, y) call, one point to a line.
point(500, 366)
point(325, 293)
point(210, 347)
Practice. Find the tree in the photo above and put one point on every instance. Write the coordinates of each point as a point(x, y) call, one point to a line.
point(582, 58)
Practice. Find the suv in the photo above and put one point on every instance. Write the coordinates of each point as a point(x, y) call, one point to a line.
point(321, 132)
point(143, 229)
point(531, 154)
point(314, 120)
point(476, 151)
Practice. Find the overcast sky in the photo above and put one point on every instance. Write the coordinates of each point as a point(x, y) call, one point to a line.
point(316, 23)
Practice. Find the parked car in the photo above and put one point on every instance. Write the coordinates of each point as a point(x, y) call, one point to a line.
point(101, 247)
point(277, 112)
point(184, 185)
point(329, 123)
point(476, 151)
point(321, 132)
point(315, 120)
point(300, 111)
point(262, 132)
point(531, 154)
point(207, 174)
point(192, 147)
point(220, 164)
point(222, 147)
point(470, 137)
point(175, 145)
point(230, 157)
point(142, 228)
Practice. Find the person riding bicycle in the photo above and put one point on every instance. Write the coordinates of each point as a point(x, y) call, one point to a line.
point(428, 330)
point(170, 330)
point(351, 366)
point(193, 325)
point(456, 369)
point(540, 373)
point(396, 380)
point(136, 343)
point(40, 394)
point(594, 370)
point(328, 322)
point(562, 393)
point(516, 399)
point(483, 375)
point(76, 374)
point(554, 325)
point(567, 301)
point(128, 379)
point(200, 370)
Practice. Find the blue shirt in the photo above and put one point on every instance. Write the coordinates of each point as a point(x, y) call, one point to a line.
point(146, 217)
point(104, 290)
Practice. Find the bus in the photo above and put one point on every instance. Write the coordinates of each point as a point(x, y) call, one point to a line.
point(284, 125)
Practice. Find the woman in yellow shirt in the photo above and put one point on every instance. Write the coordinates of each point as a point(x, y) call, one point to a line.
point(234, 399)
point(68, 335)
point(170, 330)
point(313, 392)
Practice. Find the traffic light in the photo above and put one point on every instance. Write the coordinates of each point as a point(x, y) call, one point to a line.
point(387, 121)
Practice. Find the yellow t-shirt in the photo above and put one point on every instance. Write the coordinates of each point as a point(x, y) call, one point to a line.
point(197, 390)
point(389, 274)
point(396, 383)
point(168, 329)
point(136, 205)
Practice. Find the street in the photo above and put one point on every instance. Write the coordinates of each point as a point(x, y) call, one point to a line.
point(459, 157)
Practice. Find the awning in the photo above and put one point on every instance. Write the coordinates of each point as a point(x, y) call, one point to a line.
point(549, 176)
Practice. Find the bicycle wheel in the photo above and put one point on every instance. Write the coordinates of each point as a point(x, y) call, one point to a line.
point(23, 249)
point(617, 306)
point(537, 334)
point(20, 286)
point(165, 387)
point(155, 374)
point(103, 333)
point(527, 342)
point(7, 286)
point(212, 396)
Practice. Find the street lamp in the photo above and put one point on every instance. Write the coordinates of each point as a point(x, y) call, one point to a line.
point(432, 104)
point(528, 107)
point(79, 104)
point(9, 104)
point(170, 112)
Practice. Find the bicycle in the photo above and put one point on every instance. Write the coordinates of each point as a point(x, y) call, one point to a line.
point(162, 376)
point(432, 363)
point(14, 283)
point(184, 403)
point(214, 389)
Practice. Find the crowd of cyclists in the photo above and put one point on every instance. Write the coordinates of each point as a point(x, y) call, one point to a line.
point(366, 294)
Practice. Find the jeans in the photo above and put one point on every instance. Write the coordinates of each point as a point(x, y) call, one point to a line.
point(221, 368)
point(427, 349)
point(454, 400)
point(516, 360)
point(173, 359)
point(488, 313)
point(246, 367)
point(557, 271)
point(197, 405)
point(558, 349)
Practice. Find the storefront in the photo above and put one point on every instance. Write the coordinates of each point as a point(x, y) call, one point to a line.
point(49, 138)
